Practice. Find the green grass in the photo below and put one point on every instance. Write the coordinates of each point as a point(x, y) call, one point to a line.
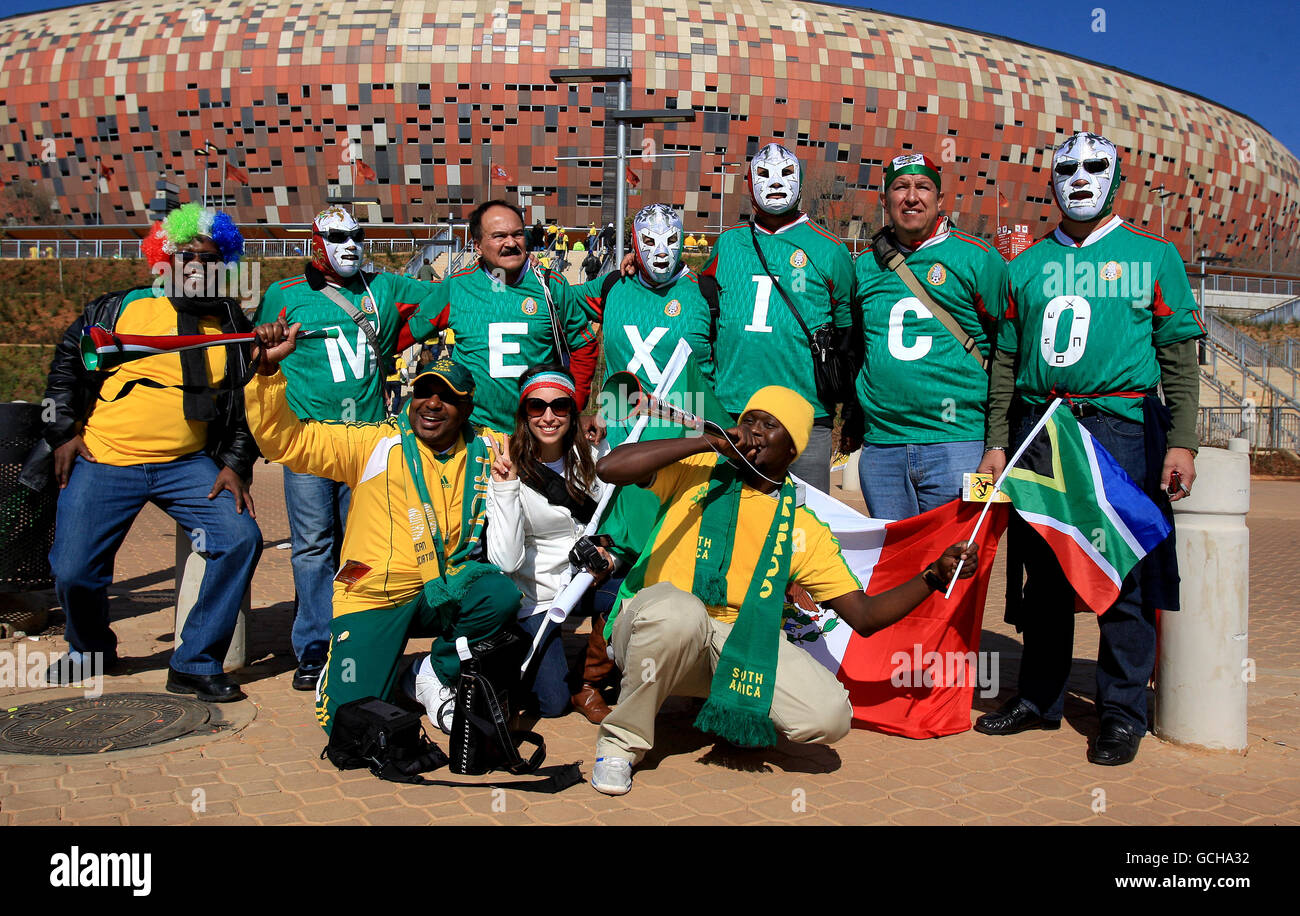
point(23, 371)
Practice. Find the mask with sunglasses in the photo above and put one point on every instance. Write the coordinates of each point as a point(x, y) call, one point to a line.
point(1085, 177)
point(336, 243)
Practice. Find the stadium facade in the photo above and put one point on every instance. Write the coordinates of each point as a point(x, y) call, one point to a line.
point(427, 94)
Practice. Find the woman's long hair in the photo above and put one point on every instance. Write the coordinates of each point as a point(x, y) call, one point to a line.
point(579, 468)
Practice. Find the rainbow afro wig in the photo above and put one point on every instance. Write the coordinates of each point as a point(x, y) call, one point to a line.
point(184, 225)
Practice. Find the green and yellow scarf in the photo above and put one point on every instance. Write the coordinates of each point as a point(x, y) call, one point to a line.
point(740, 697)
point(446, 579)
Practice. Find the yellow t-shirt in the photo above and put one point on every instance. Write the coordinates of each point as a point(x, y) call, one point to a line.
point(368, 458)
point(816, 562)
point(148, 426)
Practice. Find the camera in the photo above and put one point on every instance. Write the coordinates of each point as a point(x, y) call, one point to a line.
point(585, 555)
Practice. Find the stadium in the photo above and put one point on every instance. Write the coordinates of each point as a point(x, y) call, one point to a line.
point(270, 108)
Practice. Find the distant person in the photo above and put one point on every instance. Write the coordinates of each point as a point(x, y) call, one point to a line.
point(425, 272)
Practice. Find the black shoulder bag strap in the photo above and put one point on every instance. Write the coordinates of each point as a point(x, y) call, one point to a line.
point(777, 283)
point(354, 313)
point(561, 344)
point(890, 257)
point(611, 280)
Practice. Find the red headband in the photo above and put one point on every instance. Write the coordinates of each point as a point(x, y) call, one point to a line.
point(548, 380)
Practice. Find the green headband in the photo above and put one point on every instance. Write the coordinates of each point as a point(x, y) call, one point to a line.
point(915, 164)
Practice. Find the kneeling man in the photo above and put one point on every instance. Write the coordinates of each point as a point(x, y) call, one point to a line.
point(704, 603)
point(413, 543)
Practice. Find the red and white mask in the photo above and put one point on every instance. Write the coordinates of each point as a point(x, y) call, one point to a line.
point(658, 231)
point(336, 243)
point(774, 179)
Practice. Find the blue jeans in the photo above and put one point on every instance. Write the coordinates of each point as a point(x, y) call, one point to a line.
point(899, 481)
point(94, 514)
point(1127, 652)
point(552, 683)
point(317, 510)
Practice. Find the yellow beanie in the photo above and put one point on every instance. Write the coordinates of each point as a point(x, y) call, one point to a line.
point(795, 414)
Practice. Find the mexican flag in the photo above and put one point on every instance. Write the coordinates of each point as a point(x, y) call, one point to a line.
point(1097, 521)
point(916, 678)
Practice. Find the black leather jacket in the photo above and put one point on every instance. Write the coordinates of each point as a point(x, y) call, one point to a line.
point(73, 391)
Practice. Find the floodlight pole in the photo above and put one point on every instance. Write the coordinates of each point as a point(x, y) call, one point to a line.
point(620, 197)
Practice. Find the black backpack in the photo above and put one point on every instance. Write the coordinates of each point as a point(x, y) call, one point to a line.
point(390, 741)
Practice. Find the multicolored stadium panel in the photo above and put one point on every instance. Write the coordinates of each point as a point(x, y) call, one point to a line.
point(425, 93)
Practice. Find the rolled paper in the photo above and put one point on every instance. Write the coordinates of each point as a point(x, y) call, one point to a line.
point(101, 349)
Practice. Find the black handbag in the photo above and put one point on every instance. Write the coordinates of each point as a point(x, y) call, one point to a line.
point(390, 741)
point(834, 366)
point(481, 739)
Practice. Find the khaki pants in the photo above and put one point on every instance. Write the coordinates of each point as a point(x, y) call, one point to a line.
point(668, 645)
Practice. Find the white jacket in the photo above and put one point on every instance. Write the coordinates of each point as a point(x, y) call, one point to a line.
point(530, 539)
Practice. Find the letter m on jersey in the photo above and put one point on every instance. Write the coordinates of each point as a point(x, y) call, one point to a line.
point(347, 358)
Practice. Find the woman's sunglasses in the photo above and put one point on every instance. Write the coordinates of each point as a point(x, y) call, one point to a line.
point(338, 236)
point(561, 407)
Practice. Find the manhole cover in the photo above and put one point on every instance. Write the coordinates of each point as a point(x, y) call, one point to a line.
point(89, 726)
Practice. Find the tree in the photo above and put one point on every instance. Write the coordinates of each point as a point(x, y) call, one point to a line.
point(25, 203)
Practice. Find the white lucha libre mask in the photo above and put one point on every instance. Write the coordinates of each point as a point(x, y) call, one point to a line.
point(336, 243)
point(774, 178)
point(1085, 177)
point(658, 232)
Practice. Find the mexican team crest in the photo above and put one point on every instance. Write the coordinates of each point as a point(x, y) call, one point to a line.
point(799, 258)
point(936, 275)
point(367, 305)
point(530, 306)
point(1112, 271)
point(673, 308)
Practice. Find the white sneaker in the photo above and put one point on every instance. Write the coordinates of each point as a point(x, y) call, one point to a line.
point(438, 700)
point(612, 775)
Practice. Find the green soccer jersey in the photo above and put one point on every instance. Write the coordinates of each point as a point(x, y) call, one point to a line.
point(641, 325)
point(758, 341)
point(1086, 319)
point(501, 330)
point(338, 379)
point(917, 384)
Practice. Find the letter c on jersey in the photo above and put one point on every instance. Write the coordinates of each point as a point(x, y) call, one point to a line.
point(921, 346)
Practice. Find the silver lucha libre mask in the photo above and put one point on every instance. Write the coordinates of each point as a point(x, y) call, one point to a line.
point(774, 179)
point(1085, 177)
point(336, 243)
point(658, 232)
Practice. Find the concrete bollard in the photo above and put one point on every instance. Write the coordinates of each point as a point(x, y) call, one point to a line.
point(1238, 445)
point(1201, 673)
point(850, 483)
point(189, 576)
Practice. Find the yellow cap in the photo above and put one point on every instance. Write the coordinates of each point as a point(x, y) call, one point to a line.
point(795, 413)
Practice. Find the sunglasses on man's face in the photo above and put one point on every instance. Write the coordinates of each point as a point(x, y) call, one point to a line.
point(205, 257)
point(338, 236)
point(561, 407)
point(1091, 166)
point(427, 388)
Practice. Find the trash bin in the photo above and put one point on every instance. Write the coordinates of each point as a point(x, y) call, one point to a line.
point(26, 517)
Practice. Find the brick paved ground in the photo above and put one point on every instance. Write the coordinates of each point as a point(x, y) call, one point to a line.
point(270, 772)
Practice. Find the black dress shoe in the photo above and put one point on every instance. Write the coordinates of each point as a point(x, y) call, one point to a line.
point(1116, 744)
point(210, 688)
point(309, 671)
point(1015, 716)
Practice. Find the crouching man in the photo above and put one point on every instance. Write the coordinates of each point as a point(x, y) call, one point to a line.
point(413, 542)
point(702, 611)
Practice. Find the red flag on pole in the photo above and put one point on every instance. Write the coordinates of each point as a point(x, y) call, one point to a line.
point(632, 177)
point(366, 173)
point(1002, 199)
point(235, 174)
point(105, 171)
point(500, 174)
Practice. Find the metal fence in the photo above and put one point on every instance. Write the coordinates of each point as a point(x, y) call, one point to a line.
point(1230, 283)
point(130, 248)
point(1262, 427)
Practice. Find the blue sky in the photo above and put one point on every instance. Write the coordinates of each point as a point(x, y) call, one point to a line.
point(1241, 55)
